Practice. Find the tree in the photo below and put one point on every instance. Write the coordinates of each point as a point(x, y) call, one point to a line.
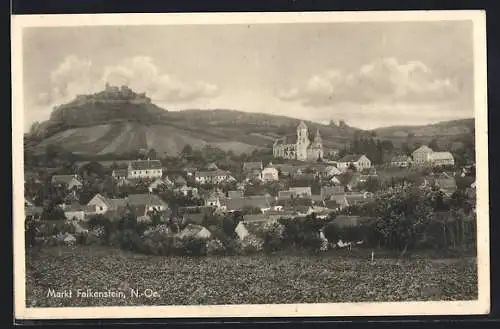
point(402, 215)
point(52, 212)
point(152, 154)
point(434, 145)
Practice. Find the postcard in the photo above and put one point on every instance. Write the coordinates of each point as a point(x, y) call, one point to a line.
point(250, 165)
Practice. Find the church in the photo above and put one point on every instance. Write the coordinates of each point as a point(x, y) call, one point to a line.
point(302, 148)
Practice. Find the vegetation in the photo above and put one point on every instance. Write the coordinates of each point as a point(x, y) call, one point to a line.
point(243, 279)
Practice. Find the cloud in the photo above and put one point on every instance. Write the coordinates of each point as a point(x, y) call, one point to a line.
point(384, 80)
point(75, 76)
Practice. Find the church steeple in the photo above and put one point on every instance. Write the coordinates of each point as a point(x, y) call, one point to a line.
point(317, 138)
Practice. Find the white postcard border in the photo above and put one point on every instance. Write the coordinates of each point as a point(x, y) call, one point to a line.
point(481, 306)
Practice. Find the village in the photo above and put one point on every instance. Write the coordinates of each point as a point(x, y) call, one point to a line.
point(299, 186)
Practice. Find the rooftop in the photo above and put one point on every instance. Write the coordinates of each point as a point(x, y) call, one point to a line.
point(351, 158)
point(145, 164)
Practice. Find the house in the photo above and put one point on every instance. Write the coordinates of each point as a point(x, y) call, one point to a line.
point(252, 166)
point(253, 230)
point(285, 169)
point(212, 166)
point(252, 218)
point(359, 161)
point(178, 180)
point(159, 183)
point(123, 181)
point(447, 185)
point(358, 179)
point(195, 215)
point(328, 191)
point(213, 200)
point(262, 202)
point(295, 203)
point(358, 198)
point(422, 155)
point(270, 174)
point(69, 181)
point(151, 201)
point(254, 175)
point(100, 203)
point(335, 180)
point(332, 153)
point(235, 194)
point(119, 174)
point(76, 211)
point(32, 212)
point(187, 190)
point(213, 177)
point(301, 191)
point(190, 171)
point(317, 199)
point(103, 205)
point(330, 171)
point(241, 231)
point(442, 159)
point(401, 161)
point(303, 177)
point(144, 169)
point(194, 231)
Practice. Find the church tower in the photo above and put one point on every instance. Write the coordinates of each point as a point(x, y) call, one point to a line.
point(302, 141)
point(317, 139)
point(315, 151)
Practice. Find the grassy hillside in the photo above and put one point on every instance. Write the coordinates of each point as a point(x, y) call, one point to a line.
point(114, 122)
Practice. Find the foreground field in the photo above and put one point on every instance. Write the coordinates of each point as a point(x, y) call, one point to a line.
point(241, 280)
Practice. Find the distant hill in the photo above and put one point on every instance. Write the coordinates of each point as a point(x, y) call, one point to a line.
point(118, 120)
point(444, 132)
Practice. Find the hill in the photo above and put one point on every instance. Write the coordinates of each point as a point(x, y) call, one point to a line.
point(445, 133)
point(118, 120)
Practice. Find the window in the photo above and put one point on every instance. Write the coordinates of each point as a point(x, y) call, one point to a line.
point(101, 208)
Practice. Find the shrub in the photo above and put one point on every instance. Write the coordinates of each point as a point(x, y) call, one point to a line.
point(252, 244)
point(273, 237)
point(215, 247)
point(94, 239)
point(190, 246)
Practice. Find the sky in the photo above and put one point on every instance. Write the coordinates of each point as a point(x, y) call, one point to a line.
point(369, 74)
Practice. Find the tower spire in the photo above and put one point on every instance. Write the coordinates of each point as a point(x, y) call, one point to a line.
point(317, 138)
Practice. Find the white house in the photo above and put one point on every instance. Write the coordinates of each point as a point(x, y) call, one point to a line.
point(332, 171)
point(401, 161)
point(359, 161)
point(101, 204)
point(442, 159)
point(270, 174)
point(70, 181)
point(213, 176)
point(159, 182)
point(144, 169)
point(241, 231)
point(150, 201)
point(76, 211)
point(213, 201)
point(422, 155)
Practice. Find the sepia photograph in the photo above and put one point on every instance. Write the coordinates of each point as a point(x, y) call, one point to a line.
point(250, 165)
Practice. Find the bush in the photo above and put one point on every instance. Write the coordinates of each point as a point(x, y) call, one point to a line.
point(273, 237)
point(215, 247)
point(251, 244)
point(127, 239)
point(190, 246)
point(94, 239)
